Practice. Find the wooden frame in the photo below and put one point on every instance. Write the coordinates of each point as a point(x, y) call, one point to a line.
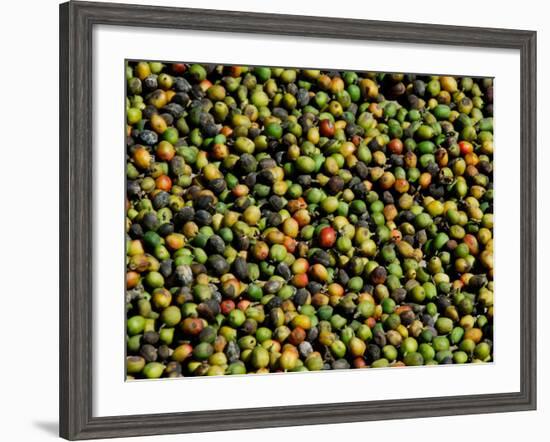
point(76, 161)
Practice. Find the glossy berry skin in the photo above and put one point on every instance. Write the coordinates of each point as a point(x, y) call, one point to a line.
point(327, 237)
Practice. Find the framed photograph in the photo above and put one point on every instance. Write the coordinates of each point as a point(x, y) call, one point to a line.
point(276, 220)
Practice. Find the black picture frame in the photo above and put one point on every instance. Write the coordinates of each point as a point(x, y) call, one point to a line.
point(77, 20)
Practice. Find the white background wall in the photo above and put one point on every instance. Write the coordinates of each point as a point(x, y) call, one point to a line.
point(29, 220)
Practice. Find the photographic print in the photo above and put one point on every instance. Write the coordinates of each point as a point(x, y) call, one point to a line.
point(294, 220)
point(291, 220)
